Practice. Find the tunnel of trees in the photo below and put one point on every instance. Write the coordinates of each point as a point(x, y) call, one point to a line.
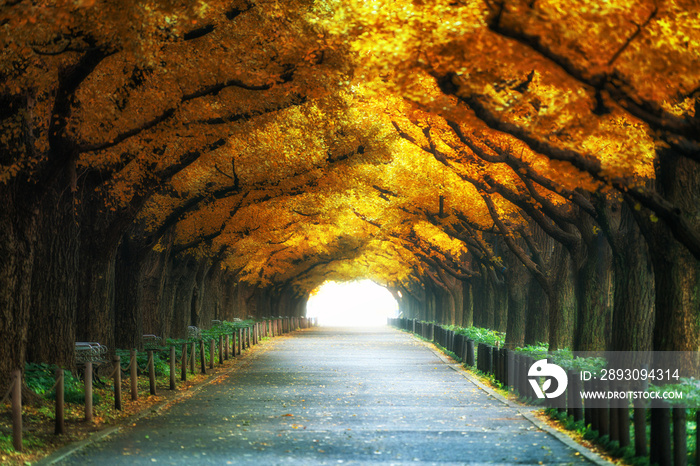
point(526, 166)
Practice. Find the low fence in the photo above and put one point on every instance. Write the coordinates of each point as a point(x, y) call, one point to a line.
point(230, 338)
point(622, 422)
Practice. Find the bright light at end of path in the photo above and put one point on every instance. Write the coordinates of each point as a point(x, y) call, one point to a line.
point(351, 304)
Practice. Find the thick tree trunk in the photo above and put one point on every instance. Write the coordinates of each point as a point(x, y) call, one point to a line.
point(467, 304)
point(517, 285)
point(537, 326)
point(95, 319)
point(677, 276)
point(633, 307)
point(562, 301)
point(676, 271)
point(54, 297)
point(500, 307)
point(18, 231)
point(132, 290)
point(484, 302)
point(594, 290)
point(176, 305)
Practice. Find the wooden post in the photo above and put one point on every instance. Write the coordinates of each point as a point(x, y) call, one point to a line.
point(134, 368)
point(470, 352)
point(489, 359)
point(640, 421)
point(117, 360)
point(17, 410)
point(172, 367)
point(240, 340)
point(211, 353)
point(227, 345)
point(680, 445)
point(183, 372)
point(623, 418)
point(527, 362)
point(151, 373)
point(60, 427)
point(192, 356)
point(604, 416)
point(202, 361)
point(233, 344)
point(614, 420)
point(221, 349)
point(575, 394)
point(88, 391)
point(660, 446)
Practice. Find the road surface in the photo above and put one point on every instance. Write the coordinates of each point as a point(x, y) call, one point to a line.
point(335, 396)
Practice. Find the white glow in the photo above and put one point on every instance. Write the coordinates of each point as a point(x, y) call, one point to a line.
point(352, 304)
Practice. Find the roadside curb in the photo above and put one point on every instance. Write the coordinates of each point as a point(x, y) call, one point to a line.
point(525, 411)
point(157, 409)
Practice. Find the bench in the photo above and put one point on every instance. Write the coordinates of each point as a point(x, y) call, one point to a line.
point(194, 333)
point(151, 342)
point(90, 351)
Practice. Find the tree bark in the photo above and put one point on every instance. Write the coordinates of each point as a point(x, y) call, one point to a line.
point(634, 293)
point(55, 282)
point(537, 326)
point(594, 289)
point(518, 282)
point(676, 270)
point(467, 304)
point(20, 223)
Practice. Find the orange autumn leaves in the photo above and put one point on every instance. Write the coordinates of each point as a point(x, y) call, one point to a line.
point(274, 127)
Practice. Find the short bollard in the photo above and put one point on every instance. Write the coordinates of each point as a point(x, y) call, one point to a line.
point(134, 373)
point(60, 426)
point(17, 410)
point(88, 391)
point(623, 416)
point(221, 349)
point(172, 368)
point(211, 354)
point(192, 356)
point(660, 433)
point(202, 361)
point(183, 371)
point(117, 362)
point(151, 373)
point(680, 445)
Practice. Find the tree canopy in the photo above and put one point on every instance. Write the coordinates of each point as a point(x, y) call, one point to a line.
point(526, 165)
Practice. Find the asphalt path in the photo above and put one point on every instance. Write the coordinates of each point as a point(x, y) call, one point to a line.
point(336, 396)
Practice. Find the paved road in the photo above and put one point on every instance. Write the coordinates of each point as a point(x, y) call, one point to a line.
point(336, 396)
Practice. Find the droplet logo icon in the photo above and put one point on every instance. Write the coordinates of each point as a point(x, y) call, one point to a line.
point(542, 368)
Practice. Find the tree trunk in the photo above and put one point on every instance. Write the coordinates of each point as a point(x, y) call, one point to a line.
point(95, 319)
point(18, 231)
point(484, 302)
point(633, 305)
point(54, 297)
point(676, 271)
point(518, 282)
point(467, 304)
point(537, 325)
point(500, 307)
point(594, 290)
